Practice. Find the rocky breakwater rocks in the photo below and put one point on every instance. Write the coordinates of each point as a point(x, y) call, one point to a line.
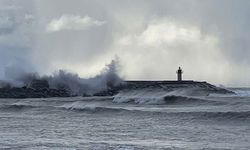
point(35, 89)
point(190, 87)
point(39, 88)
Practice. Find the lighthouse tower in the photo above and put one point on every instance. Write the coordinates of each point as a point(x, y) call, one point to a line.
point(179, 74)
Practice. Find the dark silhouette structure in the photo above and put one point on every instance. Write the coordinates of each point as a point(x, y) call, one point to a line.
point(179, 74)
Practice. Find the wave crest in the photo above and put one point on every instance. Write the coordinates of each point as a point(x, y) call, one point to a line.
point(160, 96)
point(17, 106)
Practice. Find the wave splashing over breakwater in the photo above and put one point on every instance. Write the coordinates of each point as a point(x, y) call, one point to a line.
point(60, 84)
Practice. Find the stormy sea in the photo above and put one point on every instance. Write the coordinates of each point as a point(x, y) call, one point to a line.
point(131, 120)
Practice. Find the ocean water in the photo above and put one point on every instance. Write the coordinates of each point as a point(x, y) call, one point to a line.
point(134, 120)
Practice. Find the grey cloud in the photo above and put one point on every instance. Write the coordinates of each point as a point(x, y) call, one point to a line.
point(72, 22)
point(226, 20)
point(15, 35)
point(6, 30)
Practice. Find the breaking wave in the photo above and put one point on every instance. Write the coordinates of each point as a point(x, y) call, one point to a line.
point(195, 115)
point(242, 92)
point(109, 107)
point(93, 108)
point(16, 106)
point(165, 100)
point(160, 96)
point(230, 115)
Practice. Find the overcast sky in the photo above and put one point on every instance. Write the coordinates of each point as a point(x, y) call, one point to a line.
point(209, 39)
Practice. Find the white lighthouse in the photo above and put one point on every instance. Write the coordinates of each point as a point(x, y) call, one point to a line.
point(179, 74)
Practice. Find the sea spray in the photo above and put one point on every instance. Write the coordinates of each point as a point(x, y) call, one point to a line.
point(63, 80)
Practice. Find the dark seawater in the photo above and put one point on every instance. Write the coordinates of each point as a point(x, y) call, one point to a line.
point(129, 121)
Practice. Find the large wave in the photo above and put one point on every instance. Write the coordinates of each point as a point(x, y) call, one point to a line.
point(206, 115)
point(161, 96)
point(17, 106)
point(83, 107)
point(238, 92)
point(242, 92)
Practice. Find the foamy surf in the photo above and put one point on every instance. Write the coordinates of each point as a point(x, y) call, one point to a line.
point(160, 96)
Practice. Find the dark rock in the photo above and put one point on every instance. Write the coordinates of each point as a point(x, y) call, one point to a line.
point(35, 89)
point(40, 88)
point(38, 84)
